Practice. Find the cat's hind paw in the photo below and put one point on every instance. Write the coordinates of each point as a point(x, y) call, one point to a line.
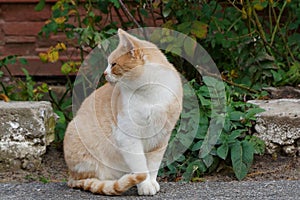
point(148, 187)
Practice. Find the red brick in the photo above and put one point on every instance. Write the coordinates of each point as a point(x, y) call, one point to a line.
point(70, 51)
point(1, 50)
point(24, 12)
point(19, 26)
point(20, 39)
point(22, 28)
point(52, 40)
point(2, 36)
point(36, 67)
point(17, 49)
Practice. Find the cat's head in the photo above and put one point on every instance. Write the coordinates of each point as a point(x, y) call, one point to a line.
point(126, 62)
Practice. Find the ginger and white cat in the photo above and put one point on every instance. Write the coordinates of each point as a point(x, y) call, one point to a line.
point(120, 133)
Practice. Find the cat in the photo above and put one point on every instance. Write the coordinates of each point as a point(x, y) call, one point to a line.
point(119, 135)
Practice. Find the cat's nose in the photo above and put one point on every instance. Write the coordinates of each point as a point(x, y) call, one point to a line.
point(105, 73)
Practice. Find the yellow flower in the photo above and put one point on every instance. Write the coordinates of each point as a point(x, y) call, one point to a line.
point(60, 20)
point(78, 63)
point(234, 74)
point(61, 46)
point(53, 55)
point(261, 4)
point(43, 57)
point(244, 13)
point(48, 21)
point(71, 12)
point(258, 7)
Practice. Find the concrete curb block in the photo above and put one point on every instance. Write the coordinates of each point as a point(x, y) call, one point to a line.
point(26, 128)
point(279, 125)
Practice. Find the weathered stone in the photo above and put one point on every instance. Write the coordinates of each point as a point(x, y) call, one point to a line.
point(26, 128)
point(290, 149)
point(284, 91)
point(272, 148)
point(279, 125)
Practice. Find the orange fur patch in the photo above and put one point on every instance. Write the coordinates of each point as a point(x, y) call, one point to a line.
point(87, 185)
point(100, 189)
point(81, 175)
point(126, 63)
point(117, 188)
point(140, 178)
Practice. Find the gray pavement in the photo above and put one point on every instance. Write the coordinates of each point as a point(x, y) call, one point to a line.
point(209, 190)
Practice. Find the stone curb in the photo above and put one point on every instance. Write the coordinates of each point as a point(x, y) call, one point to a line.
point(279, 125)
point(26, 128)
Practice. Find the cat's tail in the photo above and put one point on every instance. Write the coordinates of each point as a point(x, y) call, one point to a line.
point(108, 187)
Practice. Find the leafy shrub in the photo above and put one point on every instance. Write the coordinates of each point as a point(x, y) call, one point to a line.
point(247, 39)
point(251, 41)
point(236, 145)
point(16, 88)
point(62, 105)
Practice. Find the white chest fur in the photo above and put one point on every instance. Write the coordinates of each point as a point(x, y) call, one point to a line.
point(145, 104)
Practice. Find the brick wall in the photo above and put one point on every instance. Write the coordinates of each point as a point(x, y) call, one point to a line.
point(19, 28)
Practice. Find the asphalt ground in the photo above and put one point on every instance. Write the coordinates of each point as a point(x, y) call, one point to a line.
point(253, 190)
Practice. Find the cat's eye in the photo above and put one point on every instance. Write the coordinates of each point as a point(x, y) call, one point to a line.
point(113, 64)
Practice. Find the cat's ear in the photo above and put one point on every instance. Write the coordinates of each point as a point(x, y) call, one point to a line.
point(130, 43)
point(125, 40)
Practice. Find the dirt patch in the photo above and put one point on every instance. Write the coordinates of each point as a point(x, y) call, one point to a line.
point(53, 169)
point(264, 168)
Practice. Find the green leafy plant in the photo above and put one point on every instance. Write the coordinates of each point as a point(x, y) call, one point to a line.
point(63, 108)
point(42, 179)
point(18, 89)
point(235, 146)
point(240, 36)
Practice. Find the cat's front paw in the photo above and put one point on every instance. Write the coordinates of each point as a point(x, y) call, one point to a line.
point(148, 187)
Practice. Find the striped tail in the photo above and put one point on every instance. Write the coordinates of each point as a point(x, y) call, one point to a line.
point(108, 187)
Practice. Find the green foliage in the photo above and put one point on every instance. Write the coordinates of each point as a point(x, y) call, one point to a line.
point(18, 89)
point(40, 6)
point(85, 29)
point(247, 39)
point(40, 178)
point(241, 158)
point(240, 36)
point(44, 180)
point(63, 108)
point(235, 144)
point(292, 76)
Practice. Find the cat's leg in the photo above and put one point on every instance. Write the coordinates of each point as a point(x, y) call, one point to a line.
point(154, 159)
point(132, 151)
point(153, 163)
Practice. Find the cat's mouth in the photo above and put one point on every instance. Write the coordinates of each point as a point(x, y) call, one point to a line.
point(110, 79)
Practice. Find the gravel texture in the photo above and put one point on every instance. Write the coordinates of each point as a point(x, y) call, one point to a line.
point(208, 190)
